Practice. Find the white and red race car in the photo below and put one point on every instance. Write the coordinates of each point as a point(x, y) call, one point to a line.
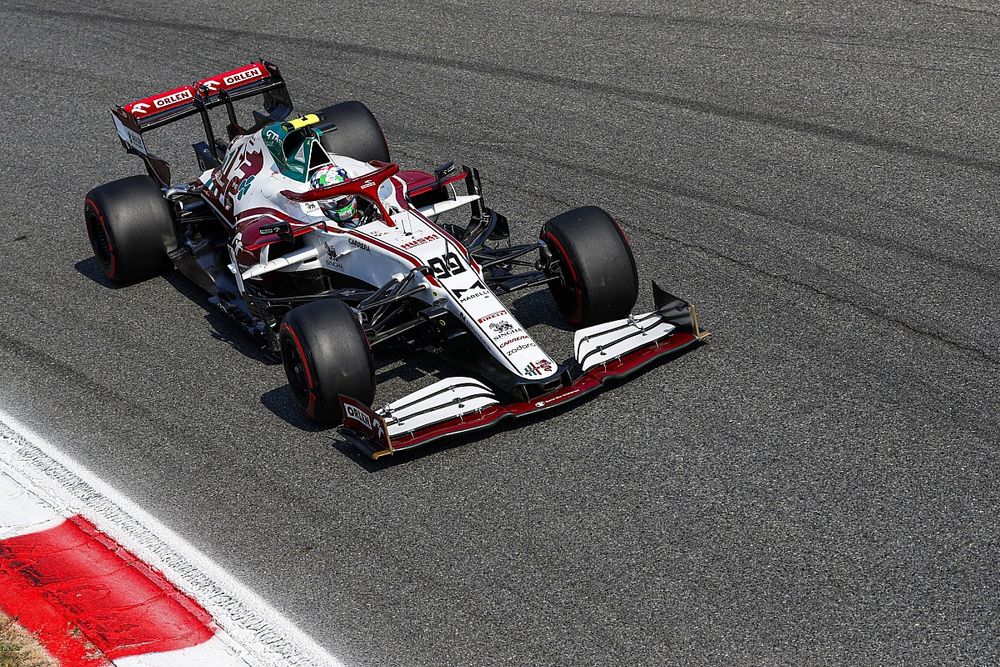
point(325, 273)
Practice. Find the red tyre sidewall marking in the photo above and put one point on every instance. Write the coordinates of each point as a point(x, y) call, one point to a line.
point(577, 291)
point(310, 380)
point(107, 235)
point(628, 245)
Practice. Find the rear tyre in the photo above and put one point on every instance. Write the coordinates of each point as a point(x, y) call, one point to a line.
point(598, 281)
point(131, 229)
point(358, 134)
point(325, 353)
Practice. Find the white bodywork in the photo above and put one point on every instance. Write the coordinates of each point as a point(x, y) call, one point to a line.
point(443, 400)
point(606, 342)
point(376, 252)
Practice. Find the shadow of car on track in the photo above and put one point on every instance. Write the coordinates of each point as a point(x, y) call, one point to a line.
point(281, 402)
point(393, 366)
point(88, 268)
point(223, 328)
point(537, 307)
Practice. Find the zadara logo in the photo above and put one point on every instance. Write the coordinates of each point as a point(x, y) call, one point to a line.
point(239, 77)
point(168, 100)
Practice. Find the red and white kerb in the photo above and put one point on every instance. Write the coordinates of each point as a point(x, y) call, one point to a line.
point(88, 600)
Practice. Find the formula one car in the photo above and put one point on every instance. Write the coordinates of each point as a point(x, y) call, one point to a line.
point(302, 230)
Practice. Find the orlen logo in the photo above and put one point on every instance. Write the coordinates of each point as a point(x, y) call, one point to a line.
point(239, 77)
point(140, 108)
point(359, 416)
point(169, 100)
point(368, 184)
point(210, 85)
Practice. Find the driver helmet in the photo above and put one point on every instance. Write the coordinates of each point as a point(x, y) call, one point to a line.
point(339, 209)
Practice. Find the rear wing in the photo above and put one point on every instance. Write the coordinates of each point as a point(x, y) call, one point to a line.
point(258, 78)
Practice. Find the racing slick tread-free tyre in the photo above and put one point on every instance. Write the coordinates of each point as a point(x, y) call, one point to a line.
point(358, 134)
point(131, 229)
point(325, 353)
point(598, 281)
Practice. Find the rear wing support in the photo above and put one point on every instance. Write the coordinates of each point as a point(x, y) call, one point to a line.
point(260, 78)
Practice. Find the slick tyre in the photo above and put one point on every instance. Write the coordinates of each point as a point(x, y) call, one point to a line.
point(131, 229)
point(597, 275)
point(325, 353)
point(357, 134)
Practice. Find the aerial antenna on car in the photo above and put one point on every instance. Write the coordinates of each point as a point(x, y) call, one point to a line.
point(300, 122)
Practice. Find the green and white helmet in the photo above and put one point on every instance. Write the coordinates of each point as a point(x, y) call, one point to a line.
point(339, 209)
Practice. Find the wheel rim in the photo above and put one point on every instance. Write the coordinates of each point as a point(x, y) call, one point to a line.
point(295, 369)
point(568, 294)
point(100, 240)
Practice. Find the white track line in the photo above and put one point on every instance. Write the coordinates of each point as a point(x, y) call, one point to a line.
point(251, 628)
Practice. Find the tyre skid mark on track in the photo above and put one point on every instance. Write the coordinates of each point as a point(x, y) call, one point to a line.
point(888, 244)
point(711, 252)
point(26, 350)
point(705, 198)
point(492, 69)
point(952, 7)
point(871, 310)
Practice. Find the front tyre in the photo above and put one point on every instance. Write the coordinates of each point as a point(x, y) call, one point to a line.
point(598, 281)
point(131, 229)
point(325, 353)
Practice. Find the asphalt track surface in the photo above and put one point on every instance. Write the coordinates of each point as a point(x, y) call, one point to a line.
point(817, 485)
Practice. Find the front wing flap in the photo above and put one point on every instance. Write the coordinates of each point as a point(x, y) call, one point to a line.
point(460, 404)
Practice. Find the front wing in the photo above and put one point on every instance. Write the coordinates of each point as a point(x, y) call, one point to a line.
point(460, 404)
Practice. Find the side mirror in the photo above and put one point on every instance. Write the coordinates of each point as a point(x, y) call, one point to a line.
point(444, 170)
point(280, 229)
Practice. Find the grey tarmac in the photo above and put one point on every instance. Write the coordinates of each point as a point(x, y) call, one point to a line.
point(816, 485)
